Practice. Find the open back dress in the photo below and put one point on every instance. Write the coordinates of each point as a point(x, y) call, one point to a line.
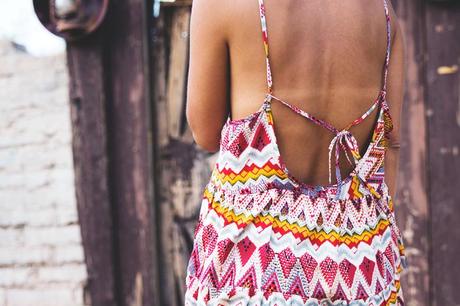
point(264, 237)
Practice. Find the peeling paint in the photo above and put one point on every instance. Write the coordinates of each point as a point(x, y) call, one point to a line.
point(137, 291)
point(412, 185)
point(417, 157)
point(449, 150)
point(408, 232)
point(439, 28)
point(443, 70)
point(458, 105)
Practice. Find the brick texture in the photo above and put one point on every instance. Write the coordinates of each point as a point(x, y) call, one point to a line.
point(41, 257)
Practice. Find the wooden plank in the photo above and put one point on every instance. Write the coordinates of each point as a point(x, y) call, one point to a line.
point(159, 82)
point(411, 199)
point(176, 94)
point(183, 169)
point(88, 102)
point(159, 53)
point(443, 96)
point(129, 143)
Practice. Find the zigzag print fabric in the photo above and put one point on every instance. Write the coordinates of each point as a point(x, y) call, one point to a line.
point(265, 238)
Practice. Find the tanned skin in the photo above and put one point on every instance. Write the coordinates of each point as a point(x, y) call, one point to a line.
point(326, 58)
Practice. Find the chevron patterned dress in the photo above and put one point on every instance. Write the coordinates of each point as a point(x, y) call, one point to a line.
point(265, 238)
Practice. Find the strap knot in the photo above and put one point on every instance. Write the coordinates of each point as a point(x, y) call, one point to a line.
point(343, 141)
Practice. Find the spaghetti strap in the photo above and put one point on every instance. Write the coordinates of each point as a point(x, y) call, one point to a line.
point(306, 115)
point(263, 22)
point(388, 50)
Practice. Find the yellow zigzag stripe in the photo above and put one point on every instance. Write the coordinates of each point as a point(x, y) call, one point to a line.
point(244, 176)
point(354, 186)
point(270, 116)
point(275, 222)
point(393, 299)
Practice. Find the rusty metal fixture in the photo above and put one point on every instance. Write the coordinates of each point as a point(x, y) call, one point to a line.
point(71, 19)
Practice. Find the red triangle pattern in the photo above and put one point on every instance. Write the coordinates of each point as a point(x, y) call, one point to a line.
point(319, 292)
point(380, 263)
point(271, 285)
point(266, 255)
point(340, 294)
point(228, 279)
point(260, 139)
point(309, 265)
point(249, 280)
point(348, 270)
point(211, 276)
point(367, 268)
point(246, 248)
point(239, 145)
point(223, 249)
point(329, 269)
point(297, 288)
point(361, 292)
point(287, 260)
point(209, 239)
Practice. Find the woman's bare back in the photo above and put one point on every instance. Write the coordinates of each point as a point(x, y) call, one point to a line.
point(326, 58)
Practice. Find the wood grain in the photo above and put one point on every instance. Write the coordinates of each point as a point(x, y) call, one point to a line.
point(411, 202)
point(88, 102)
point(443, 121)
point(110, 77)
point(130, 155)
point(183, 169)
point(177, 74)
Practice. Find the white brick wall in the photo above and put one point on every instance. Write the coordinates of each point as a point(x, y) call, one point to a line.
point(41, 257)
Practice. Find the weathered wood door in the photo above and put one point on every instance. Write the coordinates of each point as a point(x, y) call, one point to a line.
point(183, 169)
point(427, 199)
